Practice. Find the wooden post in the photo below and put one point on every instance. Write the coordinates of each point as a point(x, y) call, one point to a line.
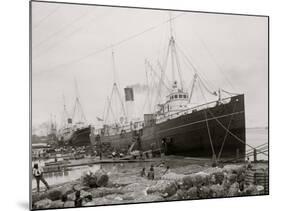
point(98, 140)
point(214, 161)
point(255, 155)
point(237, 154)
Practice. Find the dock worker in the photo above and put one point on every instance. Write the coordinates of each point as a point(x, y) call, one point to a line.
point(150, 174)
point(78, 200)
point(64, 199)
point(38, 175)
point(167, 170)
point(143, 172)
point(248, 165)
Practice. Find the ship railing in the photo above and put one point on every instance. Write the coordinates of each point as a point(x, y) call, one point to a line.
point(211, 104)
point(134, 126)
point(124, 128)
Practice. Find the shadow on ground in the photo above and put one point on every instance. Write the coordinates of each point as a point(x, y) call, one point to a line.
point(23, 205)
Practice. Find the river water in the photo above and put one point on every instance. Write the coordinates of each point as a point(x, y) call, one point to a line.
point(254, 137)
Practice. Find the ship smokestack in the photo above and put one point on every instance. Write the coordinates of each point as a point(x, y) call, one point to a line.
point(130, 104)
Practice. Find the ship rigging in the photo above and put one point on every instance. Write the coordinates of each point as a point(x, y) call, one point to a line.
point(74, 130)
point(178, 124)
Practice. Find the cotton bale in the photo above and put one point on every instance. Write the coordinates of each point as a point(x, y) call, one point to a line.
point(43, 204)
point(234, 190)
point(54, 194)
point(204, 192)
point(164, 187)
point(192, 193)
point(217, 191)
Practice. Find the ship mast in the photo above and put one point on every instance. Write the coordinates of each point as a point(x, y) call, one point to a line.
point(175, 66)
point(64, 118)
point(114, 91)
point(174, 57)
point(171, 44)
point(77, 105)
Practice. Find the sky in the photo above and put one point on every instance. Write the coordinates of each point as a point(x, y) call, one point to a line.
point(75, 43)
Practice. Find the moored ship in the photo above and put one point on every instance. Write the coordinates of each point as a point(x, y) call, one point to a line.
point(75, 133)
point(212, 128)
point(80, 135)
point(216, 128)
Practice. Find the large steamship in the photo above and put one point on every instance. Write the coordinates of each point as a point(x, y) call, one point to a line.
point(212, 128)
point(74, 131)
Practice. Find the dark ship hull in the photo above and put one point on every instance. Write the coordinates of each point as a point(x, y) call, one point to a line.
point(196, 133)
point(81, 137)
point(119, 142)
point(188, 134)
point(108, 143)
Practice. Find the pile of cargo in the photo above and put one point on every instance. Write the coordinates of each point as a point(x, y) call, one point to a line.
point(128, 186)
point(229, 181)
point(96, 179)
point(105, 148)
point(64, 195)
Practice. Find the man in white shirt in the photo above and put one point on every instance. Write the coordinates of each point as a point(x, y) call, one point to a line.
point(38, 174)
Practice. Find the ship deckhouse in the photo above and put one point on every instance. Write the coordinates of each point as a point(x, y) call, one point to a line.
point(176, 101)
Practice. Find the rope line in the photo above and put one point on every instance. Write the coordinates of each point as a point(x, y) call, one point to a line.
point(211, 55)
point(65, 38)
point(109, 104)
point(36, 25)
point(229, 92)
point(77, 60)
point(226, 133)
point(178, 66)
point(200, 121)
point(193, 67)
point(162, 76)
point(246, 155)
point(59, 30)
point(260, 147)
point(236, 137)
point(209, 134)
point(239, 139)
